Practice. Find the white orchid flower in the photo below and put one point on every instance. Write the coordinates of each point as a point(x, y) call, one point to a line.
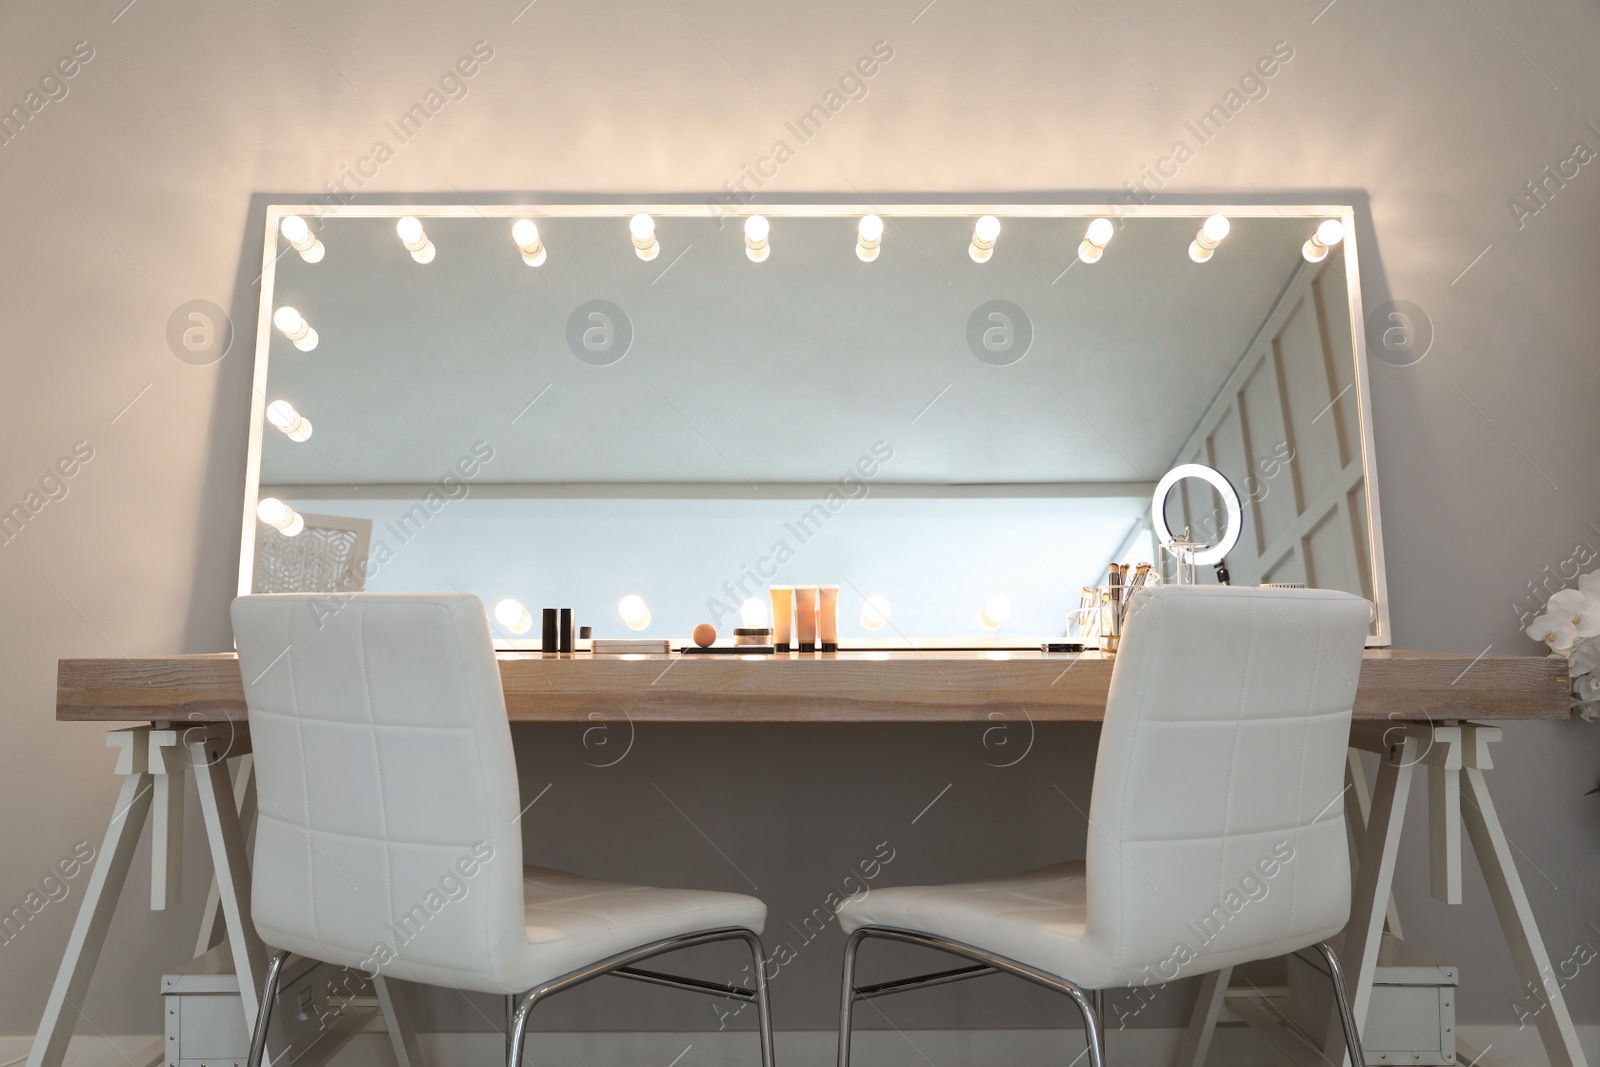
point(1585, 659)
point(1581, 607)
point(1572, 615)
point(1556, 630)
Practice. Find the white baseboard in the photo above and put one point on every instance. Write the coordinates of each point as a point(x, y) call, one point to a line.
point(1234, 1046)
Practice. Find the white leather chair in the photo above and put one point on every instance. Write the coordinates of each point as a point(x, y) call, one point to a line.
point(1216, 829)
point(389, 836)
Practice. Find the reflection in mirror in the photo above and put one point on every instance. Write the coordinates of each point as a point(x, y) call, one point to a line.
point(936, 409)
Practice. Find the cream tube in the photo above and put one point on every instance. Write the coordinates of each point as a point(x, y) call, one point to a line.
point(782, 615)
point(805, 617)
point(828, 618)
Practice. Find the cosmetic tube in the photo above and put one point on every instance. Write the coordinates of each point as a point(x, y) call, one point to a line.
point(566, 630)
point(782, 615)
point(828, 618)
point(805, 617)
point(548, 641)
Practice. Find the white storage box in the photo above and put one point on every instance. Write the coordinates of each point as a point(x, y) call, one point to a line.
point(205, 1022)
point(1413, 1015)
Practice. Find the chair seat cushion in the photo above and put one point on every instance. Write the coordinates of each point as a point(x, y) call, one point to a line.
point(574, 921)
point(1037, 918)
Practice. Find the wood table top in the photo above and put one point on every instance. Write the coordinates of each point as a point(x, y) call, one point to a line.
point(895, 686)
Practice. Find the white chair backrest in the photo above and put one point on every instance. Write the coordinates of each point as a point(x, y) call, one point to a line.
point(389, 836)
point(1217, 824)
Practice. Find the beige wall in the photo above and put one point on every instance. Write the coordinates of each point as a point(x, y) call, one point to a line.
point(141, 190)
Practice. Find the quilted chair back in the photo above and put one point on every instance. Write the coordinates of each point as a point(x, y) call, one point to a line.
point(1216, 825)
point(388, 836)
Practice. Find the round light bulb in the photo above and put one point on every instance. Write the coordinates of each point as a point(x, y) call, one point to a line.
point(315, 253)
point(875, 613)
point(756, 228)
point(996, 611)
point(1331, 232)
point(984, 234)
point(287, 319)
point(513, 616)
point(869, 238)
point(272, 511)
point(409, 229)
point(525, 234)
point(294, 228)
point(1216, 227)
point(295, 328)
point(642, 229)
point(275, 512)
point(634, 612)
point(282, 414)
point(753, 613)
point(1101, 231)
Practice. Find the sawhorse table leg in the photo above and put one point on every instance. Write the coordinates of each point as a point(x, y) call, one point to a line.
point(1493, 850)
point(1456, 755)
point(148, 758)
point(100, 897)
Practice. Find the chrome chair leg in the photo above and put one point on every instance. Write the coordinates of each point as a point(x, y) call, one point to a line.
point(620, 965)
point(269, 993)
point(758, 954)
point(1093, 1033)
point(518, 1031)
point(847, 995)
point(1093, 1036)
point(1347, 1018)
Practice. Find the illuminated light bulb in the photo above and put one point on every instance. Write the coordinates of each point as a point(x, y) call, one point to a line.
point(415, 239)
point(642, 228)
point(756, 230)
point(1094, 242)
point(875, 613)
point(1316, 248)
point(869, 236)
point(984, 235)
point(282, 414)
point(634, 611)
point(300, 237)
point(513, 616)
point(1212, 231)
point(753, 613)
point(995, 612)
point(526, 234)
point(295, 328)
point(281, 516)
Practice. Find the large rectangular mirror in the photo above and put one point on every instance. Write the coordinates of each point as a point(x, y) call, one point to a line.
point(684, 408)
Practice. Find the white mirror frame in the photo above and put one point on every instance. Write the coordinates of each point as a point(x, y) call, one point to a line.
point(272, 252)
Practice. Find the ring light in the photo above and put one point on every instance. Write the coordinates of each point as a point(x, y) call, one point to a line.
point(1230, 500)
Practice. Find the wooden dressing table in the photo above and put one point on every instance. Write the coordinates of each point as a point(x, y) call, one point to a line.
point(186, 713)
point(898, 686)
